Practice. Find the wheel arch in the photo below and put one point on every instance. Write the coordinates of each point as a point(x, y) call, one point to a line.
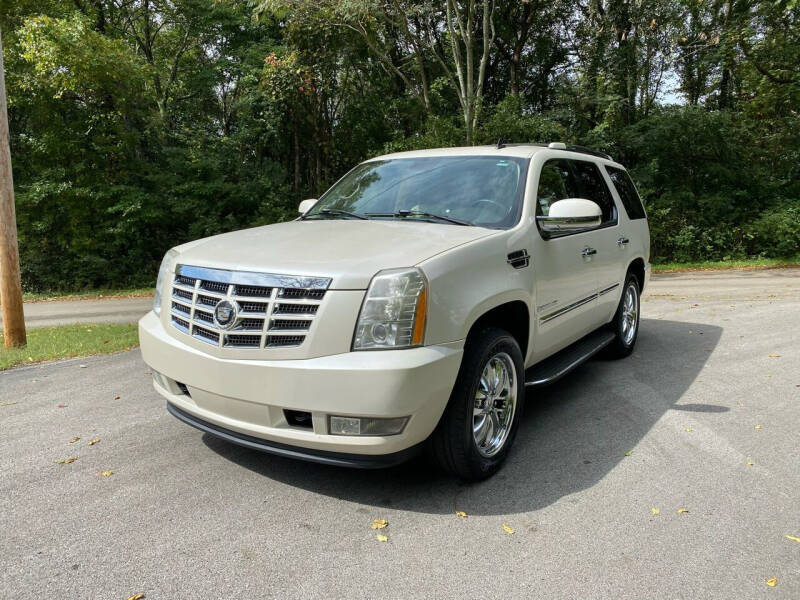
point(636, 267)
point(510, 315)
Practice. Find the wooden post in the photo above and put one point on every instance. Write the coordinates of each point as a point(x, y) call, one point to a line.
point(10, 284)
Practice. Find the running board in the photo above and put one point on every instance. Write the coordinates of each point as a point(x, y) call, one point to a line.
point(553, 368)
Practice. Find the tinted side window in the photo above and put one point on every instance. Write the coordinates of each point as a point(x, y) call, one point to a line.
point(556, 182)
point(594, 188)
point(627, 192)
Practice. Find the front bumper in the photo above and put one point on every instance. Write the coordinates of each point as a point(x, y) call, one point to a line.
point(244, 400)
point(339, 459)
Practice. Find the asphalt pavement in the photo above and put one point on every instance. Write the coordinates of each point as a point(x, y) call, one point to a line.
point(66, 312)
point(700, 425)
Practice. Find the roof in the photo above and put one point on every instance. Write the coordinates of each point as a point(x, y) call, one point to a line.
point(518, 150)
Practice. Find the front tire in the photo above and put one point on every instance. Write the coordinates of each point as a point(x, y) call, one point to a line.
point(626, 320)
point(482, 416)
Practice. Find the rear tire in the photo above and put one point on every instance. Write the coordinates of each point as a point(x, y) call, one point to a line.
point(626, 320)
point(482, 417)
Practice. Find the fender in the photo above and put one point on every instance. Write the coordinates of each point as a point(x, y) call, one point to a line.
point(466, 284)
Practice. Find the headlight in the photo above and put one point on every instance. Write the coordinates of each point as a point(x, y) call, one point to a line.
point(163, 272)
point(394, 311)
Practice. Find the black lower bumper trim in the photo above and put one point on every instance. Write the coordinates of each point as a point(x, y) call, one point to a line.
point(339, 459)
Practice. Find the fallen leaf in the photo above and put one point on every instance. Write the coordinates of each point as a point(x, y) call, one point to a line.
point(655, 511)
point(794, 539)
point(749, 464)
point(461, 513)
point(66, 461)
point(741, 403)
point(381, 538)
point(379, 523)
point(688, 430)
point(683, 510)
point(772, 582)
point(136, 597)
point(73, 440)
point(7, 403)
point(107, 473)
point(93, 441)
point(508, 529)
point(116, 397)
point(758, 426)
point(629, 452)
point(774, 355)
point(62, 406)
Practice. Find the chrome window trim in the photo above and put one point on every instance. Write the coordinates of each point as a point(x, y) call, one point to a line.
point(251, 278)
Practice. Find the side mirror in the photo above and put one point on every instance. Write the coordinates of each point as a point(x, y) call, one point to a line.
point(571, 214)
point(306, 205)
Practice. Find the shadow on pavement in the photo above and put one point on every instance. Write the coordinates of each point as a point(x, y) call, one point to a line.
point(573, 433)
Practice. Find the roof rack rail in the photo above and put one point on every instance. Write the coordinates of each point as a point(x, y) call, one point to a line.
point(585, 150)
point(570, 148)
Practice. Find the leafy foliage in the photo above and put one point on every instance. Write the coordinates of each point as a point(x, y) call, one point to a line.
point(139, 125)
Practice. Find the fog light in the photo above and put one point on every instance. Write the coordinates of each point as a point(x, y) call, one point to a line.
point(158, 378)
point(366, 426)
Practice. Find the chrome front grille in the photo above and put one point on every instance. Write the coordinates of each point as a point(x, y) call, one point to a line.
point(269, 310)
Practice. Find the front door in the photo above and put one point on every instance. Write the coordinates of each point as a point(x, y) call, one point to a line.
point(610, 261)
point(566, 282)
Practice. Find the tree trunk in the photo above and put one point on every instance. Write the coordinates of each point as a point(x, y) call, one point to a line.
point(513, 71)
point(296, 137)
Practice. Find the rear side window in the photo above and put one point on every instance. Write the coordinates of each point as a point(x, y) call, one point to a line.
point(594, 188)
point(627, 192)
point(556, 182)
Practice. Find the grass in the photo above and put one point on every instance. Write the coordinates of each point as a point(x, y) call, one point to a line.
point(87, 294)
point(749, 263)
point(52, 343)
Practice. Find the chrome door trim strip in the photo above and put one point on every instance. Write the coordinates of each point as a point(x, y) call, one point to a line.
point(608, 289)
point(568, 308)
point(250, 278)
point(564, 310)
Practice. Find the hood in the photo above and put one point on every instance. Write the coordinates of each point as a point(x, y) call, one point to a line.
point(348, 251)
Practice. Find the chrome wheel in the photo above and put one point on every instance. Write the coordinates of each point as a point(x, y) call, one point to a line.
point(495, 404)
point(630, 314)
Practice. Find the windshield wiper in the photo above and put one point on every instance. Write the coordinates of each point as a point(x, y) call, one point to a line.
point(418, 213)
point(337, 211)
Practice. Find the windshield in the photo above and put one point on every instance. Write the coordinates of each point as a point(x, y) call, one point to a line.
point(479, 190)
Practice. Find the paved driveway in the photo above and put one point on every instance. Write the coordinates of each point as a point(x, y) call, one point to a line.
point(187, 516)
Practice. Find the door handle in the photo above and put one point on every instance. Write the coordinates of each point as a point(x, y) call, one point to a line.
point(588, 252)
point(623, 241)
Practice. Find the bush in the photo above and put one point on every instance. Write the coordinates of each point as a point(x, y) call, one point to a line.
point(511, 123)
point(707, 187)
point(776, 233)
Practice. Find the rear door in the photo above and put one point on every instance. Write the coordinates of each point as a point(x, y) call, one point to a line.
point(566, 284)
point(628, 241)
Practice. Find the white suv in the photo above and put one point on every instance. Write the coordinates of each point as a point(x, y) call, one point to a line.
point(410, 308)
